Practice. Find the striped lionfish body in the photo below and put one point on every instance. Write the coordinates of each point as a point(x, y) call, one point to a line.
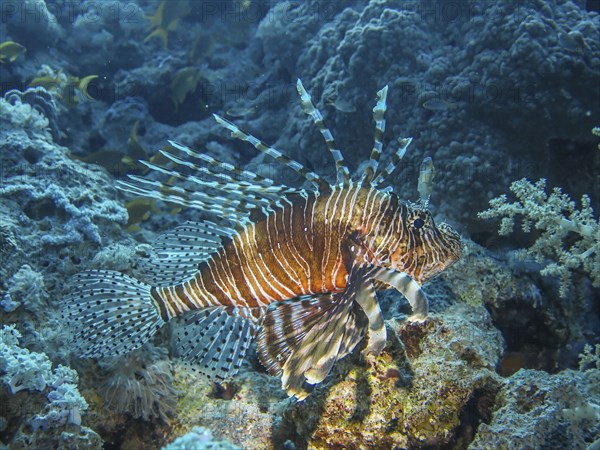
point(294, 269)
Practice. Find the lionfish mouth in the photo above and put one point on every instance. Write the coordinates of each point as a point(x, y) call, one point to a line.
point(453, 242)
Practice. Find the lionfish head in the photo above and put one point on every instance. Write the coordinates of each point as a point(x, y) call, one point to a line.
point(428, 248)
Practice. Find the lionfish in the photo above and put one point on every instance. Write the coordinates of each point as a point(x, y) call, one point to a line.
point(295, 269)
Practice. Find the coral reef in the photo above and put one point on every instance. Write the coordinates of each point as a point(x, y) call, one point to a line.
point(59, 420)
point(537, 410)
point(199, 439)
point(492, 91)
point(245, 410)
point(40, 100)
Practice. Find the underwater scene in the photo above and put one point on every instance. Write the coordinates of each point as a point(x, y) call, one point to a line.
point(262, 224)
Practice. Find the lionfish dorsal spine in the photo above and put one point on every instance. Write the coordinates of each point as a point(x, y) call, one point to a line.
point(403, 144)
point(307, 174)
point(343, 174)
point(242, 176)
point(378, 117)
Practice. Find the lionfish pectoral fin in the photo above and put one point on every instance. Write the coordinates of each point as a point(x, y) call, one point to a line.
point(214, 340)
point(301, 339)
point(377, 336)
point(408, 287)
point(110, 314)
point(179, 252)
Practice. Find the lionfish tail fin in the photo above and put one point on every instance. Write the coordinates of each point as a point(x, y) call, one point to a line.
point(110, 314)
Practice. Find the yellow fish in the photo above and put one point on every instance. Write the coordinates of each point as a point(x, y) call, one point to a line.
point(10, 50)
point(166, 18)
point(66, 86)
point(184, 82)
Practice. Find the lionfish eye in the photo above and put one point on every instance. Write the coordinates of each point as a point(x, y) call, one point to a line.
point(418, 223)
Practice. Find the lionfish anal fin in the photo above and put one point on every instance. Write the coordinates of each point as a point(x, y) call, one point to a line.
point(215, 340)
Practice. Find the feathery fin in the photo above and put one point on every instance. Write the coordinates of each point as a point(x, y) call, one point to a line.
point(110, 314)
point(179, 252)
point(302, 340)
point(215, 340)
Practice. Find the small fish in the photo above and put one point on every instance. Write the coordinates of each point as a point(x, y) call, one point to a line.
point(10, 50)
point(572, 41)
point(341, 105)
point(67, 87)
point(438, 104)
point(294, 268)
point(240, 111)
point(83, 83)
point(200, 47)
point(166, 18)
point(184, 83)
point(111, 160)
point(48, 82)
point(134, 148)
point(426, 176)
point(139, 210)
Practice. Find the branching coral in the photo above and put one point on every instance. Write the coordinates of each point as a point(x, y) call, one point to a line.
point(569, 237)
point(26, 287)
point(25, 370)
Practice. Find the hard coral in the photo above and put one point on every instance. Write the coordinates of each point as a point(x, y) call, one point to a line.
point(557, 219)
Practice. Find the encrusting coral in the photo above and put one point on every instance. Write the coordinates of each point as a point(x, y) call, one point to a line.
point(557, 219)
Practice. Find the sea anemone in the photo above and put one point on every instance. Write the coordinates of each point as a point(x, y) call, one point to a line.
point(140, 386)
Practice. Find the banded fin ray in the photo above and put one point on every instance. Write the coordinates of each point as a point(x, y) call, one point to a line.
point(251, 178)
point(179, 252)
point(219, 189)
point(408, 287)
point(242, 183)
point(300, 340)
point(110, 313)
point(394, 160)
point(219, 206)
point(236, 195)
point(378, 117)
point(343, 174)
point(377, 335)
point(214, 339)
point(309, 175)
